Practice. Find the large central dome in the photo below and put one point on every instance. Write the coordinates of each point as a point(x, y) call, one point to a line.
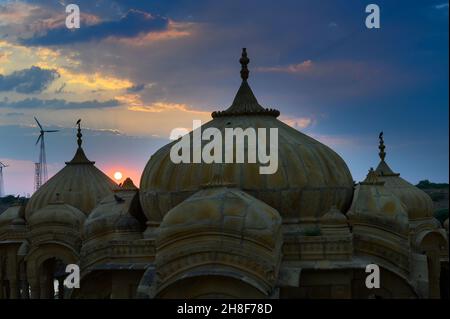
point(310, 179)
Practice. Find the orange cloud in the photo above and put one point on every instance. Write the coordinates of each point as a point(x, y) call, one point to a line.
point(158, 107)
point(4, 56)
point(135, 104)
point(175, 30)
point(94, 81)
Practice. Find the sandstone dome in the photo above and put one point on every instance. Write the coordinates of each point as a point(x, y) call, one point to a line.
point(219, 208)
point(58, 213)
point(219, 232)
point(79, 184)
point(310, 178)
point(418, 204)
point(12, 216)
point(114, 214)
point(376, 204)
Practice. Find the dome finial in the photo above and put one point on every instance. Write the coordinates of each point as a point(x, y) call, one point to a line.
point(382, 153)
point(80, 157)
point(79, 135)
point(244, 60)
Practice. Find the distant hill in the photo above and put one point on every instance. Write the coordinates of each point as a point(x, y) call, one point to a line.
point(439, 194)
point(426, 184)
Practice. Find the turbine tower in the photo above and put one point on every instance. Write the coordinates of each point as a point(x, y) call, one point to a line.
point(40, 175)
point(2, 183)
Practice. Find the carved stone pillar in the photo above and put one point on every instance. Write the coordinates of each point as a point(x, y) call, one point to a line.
point(434, 272)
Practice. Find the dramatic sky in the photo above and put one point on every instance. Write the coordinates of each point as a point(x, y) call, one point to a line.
point(137, 69)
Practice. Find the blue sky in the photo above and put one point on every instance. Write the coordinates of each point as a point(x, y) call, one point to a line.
point(137, 69)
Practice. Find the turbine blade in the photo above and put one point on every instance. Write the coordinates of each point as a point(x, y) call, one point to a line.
point(38, 123)
point(51, 131)
point(40, 136)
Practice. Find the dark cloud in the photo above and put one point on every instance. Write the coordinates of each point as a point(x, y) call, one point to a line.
point(136, 88)
point(132, 24)
point(28, 81)
point(57, 104)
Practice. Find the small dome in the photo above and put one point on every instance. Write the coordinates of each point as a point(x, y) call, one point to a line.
point(12, 216)
point(418, 203)
point(223, 209)
point(310, 178)
point(378, 205)
point(79, 184)
point(220, 231)
point(114, 212)
point(59, 214)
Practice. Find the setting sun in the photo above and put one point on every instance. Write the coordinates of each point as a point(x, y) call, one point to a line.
point(118, 176)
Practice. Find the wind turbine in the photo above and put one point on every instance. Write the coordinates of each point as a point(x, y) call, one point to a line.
point(40, 176)
point(2, 183)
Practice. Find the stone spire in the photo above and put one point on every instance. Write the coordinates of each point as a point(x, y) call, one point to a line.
point(80, 156)
point(244, 61)
point(79, 135)
point(381, 147)
point(383, 168)
point(245, 102)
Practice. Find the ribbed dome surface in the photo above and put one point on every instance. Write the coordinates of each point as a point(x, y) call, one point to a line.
point(58, 213)
point(12, 214)
point(310, 177)
point(79, 184)
point(113, 214)
point(418, 203)
point(228, 210)
point(377, 204)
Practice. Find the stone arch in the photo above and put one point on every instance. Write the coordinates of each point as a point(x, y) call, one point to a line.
point(432, 243)
point(210, 286)
point(431, 240)
point(38, 262)
point(392, 285)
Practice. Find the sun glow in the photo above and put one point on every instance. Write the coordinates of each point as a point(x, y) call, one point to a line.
point(118, 176)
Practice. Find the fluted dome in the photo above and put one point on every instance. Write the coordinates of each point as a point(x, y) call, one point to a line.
point(79, 184)
point(310, 178)
point(12, 216)
point(114, 213)
point(375, 204)
point(222, 232)
point(218, 208)
point(418, 203)
point(58, 213)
